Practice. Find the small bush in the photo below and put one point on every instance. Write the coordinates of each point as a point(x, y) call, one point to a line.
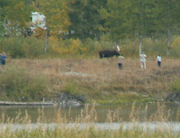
point(70, 89)
point(176, 86)
point(19, 47)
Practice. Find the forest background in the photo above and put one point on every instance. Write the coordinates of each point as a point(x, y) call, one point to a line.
point(83, 27)
point(78, 29)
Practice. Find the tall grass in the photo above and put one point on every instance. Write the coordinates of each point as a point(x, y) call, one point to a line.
point(85, 126)
point(103, 81)
point(18, 84)
point(97, 79)
point(176, 86)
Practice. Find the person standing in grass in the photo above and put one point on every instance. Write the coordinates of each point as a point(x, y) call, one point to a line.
point(143, 60)
point(3, 58)
point(0, 59)
point(120, 61)
point(159, 60)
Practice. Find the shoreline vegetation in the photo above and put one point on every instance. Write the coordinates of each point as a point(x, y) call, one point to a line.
point(85, 124)
point(76, 72)
point(89, 80)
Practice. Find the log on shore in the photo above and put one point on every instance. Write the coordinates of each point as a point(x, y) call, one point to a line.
point(6, 103)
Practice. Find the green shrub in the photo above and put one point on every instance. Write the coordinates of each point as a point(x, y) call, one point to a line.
point(19, 47)
point(31, 47)
point(176, 86)
point(71, 88)
point(95, 46)
point(17, 84)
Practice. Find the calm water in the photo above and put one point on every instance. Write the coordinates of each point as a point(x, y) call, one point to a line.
point(102, 111)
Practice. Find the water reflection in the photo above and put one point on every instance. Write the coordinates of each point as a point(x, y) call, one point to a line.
point(123, 111)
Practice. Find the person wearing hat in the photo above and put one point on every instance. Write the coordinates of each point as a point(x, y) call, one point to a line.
point(3, 58)
point(143, 60)
point(120, 61)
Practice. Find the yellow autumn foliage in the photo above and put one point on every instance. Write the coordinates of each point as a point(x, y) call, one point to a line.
point(63, 47)
point(39, 33)
point(31, 47)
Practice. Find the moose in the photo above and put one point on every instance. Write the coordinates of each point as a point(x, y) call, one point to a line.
point(108, 53)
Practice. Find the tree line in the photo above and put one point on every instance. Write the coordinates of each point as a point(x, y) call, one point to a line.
point(112, 20)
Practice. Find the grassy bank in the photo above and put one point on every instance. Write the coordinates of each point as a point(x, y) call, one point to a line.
point(99, 80)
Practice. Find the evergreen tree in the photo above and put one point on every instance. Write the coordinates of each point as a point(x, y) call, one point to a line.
point(168, 15)
point(118, 19)
point(85, 18)
point(3, 3)
point(3, 12)
point(144, 19)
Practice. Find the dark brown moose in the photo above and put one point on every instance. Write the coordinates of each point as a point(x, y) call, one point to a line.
point(108, 53)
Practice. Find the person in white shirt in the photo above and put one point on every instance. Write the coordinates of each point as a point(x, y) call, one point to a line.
point(143, 60)
point(159, 60)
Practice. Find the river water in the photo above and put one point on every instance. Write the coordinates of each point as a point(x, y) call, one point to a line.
point(102, 113)
point(145, 116)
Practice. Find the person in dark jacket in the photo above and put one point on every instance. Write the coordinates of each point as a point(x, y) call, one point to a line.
point(0, 59)
point(159, 60)
point(3, 58)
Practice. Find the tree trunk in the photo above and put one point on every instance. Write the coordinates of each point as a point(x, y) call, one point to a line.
point(140, 40)
point(116, 41)
point(168, 29)
point(168, 39)
point(140, 45)
point(46, 37)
